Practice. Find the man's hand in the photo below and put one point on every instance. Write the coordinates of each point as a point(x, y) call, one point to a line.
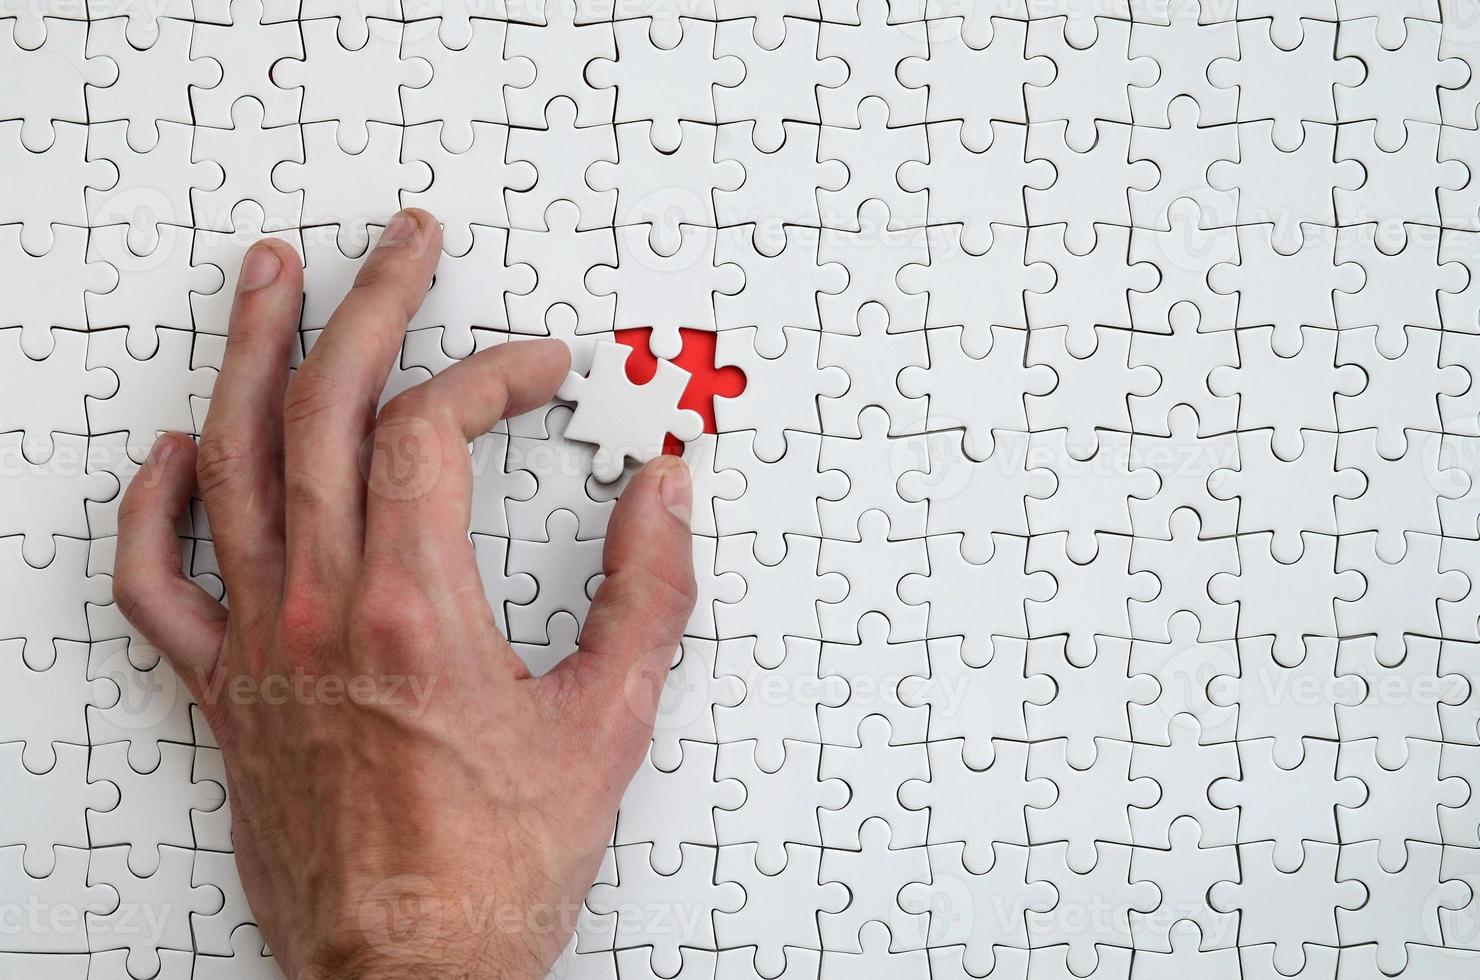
point(407, 800)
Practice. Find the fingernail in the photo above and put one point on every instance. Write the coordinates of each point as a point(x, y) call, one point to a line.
point(399, 229)
point(164, 448)
point(260, 268)
point(678, 490)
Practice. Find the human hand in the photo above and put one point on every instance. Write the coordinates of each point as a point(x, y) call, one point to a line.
point(407, 801)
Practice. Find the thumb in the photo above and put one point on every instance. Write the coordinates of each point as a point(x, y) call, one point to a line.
point(152, 592)
point(637, 618)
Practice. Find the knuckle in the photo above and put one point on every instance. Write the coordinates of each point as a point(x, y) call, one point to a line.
point(132, 508)
point(375, 273)
point(311, 395)
point(307, 622)
point(128, 591)
point(253, 315)
point(394, 618)
point(413, 403)
point(666, 596)
point(382, 289)
point(223, 458)
point(304, 489)
point(671, 591)
point(491, 384)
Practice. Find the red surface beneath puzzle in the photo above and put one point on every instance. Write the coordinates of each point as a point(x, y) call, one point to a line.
point(707, 381)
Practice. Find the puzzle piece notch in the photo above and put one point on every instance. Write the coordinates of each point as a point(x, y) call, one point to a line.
point(33, 818)
point(59, 177)
point(1292, 910)
point(666, 79)
point(351, 84)
point(54, 73)
point(665, 292)
point(1287, 805)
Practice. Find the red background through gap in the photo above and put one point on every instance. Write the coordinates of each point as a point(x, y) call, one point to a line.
point(706, 383)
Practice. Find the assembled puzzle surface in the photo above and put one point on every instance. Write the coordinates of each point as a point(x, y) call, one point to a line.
point(1089, 558)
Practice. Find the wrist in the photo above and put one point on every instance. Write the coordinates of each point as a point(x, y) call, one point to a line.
point(372, 965)
point(442, 926)
point(413, 951)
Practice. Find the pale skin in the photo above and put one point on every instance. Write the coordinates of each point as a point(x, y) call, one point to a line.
point(407, 801)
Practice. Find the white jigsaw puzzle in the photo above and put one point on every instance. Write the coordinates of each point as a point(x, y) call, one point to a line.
point(1083, 400)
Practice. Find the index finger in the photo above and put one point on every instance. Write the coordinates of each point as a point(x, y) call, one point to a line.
point(421, 479)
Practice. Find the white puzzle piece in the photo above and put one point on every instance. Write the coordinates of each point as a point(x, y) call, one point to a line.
point(1082, 404)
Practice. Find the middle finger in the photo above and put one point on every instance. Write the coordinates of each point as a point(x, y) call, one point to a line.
point(331, 403)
